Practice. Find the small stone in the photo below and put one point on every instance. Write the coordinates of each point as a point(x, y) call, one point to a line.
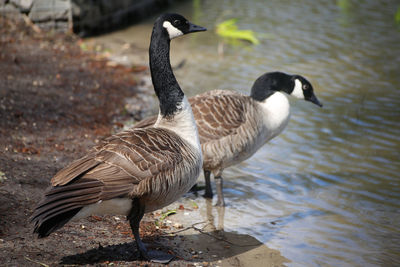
point(178, 225)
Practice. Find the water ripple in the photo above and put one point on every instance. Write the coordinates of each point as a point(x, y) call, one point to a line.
point(326, 192)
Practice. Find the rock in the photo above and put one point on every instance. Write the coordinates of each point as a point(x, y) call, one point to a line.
point(23, 5)
point(91, 17)
point(8, 9)
point(56, 10)
point(86, 17)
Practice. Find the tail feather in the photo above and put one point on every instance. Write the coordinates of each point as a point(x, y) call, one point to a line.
point(62, 203)
point(51, 211)
point(46, 227)
point(69, 196)
point(78, 185)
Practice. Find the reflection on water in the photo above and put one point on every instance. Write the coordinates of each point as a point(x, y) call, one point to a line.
point(326, 191)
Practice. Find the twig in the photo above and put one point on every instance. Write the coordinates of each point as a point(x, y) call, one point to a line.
point(38, 262)
point(185, 229)
point(29, 22)
point(223, 239)
point(210, 235)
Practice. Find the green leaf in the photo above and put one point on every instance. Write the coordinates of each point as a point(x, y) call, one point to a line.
point(166, 214)
point(229, 29)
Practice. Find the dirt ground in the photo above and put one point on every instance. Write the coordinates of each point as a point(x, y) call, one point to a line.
point(56, 102)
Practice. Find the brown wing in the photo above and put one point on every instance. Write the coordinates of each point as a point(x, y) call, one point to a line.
point(218, 113)
point(126, 158)
point(125, 165)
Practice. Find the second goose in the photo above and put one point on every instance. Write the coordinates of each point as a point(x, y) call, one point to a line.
point(232, 126)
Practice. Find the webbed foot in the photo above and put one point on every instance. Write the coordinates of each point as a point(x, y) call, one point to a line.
point(157, 256)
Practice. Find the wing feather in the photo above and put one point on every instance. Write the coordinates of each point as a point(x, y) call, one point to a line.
point(126, 158)
point(218, 113)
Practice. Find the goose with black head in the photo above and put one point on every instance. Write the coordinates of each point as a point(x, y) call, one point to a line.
point(138, 170)
point(232, 126)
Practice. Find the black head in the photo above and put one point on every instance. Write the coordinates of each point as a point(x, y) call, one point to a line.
point(294, 85)
point(176, 25)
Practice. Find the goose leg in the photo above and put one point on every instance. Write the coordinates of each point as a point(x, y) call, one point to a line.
point(134, 217)
point(219, 185)
point(209, 192)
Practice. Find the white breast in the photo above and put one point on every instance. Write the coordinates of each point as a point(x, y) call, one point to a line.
point(183, 124)
point(276, 111)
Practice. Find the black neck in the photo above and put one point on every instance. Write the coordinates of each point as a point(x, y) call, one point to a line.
point(269, 83)
point(165, 85)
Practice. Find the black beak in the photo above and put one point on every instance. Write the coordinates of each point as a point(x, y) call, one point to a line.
point(195, 28)
point(314, 99)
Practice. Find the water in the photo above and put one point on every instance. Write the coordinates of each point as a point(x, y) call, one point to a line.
point(326, 192)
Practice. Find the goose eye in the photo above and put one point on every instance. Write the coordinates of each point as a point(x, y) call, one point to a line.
point(177, 22)
point(305, 87)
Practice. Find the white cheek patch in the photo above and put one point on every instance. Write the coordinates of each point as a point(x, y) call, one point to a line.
point(172, 31)
point(297, 91)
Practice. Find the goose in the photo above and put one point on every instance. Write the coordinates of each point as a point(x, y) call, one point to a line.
point(233, 126)
point(138, 170)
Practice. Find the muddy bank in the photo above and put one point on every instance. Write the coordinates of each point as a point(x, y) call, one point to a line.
point(56, 101)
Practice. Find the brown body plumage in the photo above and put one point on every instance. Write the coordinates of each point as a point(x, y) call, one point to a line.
point(145, 164)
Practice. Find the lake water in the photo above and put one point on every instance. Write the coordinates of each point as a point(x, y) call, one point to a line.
point(326, 192)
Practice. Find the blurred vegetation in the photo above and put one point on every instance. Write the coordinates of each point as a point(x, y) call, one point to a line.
point(344, 5)
point(397, 16)
point(229, 29)
point(346, 9)
point(197, 13)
